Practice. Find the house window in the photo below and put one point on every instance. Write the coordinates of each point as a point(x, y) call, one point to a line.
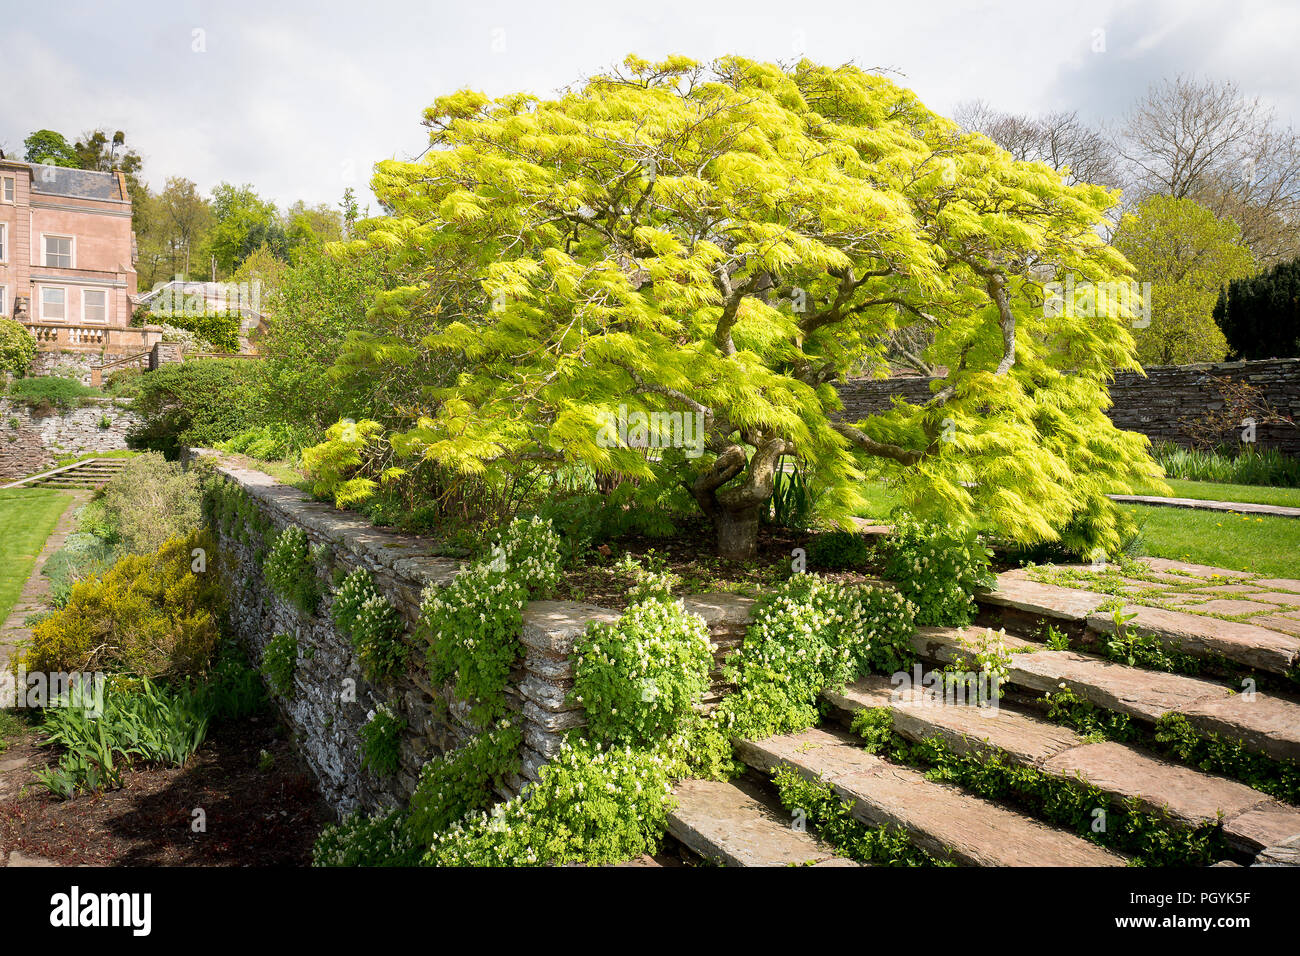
point(58, 252)
point(94, 305)
point(7, 188)
point(4, 302)
point(54, 304)
point(4, 245)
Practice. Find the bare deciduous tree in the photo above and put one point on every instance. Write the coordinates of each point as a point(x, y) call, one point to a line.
point(1205, 140)
point(1060, 138)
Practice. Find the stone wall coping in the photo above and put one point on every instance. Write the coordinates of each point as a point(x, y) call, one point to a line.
point(406, 555)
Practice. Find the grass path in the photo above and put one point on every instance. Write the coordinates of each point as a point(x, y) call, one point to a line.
point(27, 517)
point(1254, 543)
point(1245, 494)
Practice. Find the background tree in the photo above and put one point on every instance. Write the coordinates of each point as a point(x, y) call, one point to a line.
point(17, 349)
point(722, 242)
point(1185, 252)
point(1205, 140)
point(51, 149)
point(242, 222)
point(1061, 139)
point(1260, 315)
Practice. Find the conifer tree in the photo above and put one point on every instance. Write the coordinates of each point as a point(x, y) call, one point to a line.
point(727, 240)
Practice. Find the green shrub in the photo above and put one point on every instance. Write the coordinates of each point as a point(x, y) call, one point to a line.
point(212, 331)
point(123, 382)
point(280, 662)
point(148, 501)
point(589, 804)
point(197, 404)
point(269, 442)
point(938, 569)
point(809, 634)
point(51, 391)
point(838, 551)
point(463, 780)
point(82, 556)
point(361, 840)
point(290, 571)
point(472, 625)
point(149, 615)
point(363, 614)
point(17, 348)
point(381, 739)
point(640, 680)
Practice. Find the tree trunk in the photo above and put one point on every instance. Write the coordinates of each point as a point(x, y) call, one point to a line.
point(737, 533)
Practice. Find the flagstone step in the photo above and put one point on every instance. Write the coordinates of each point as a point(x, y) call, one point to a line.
point(1263, 723)
point(940, 819)
point(1199, 635)
point(733, 825)
point(1189, 798)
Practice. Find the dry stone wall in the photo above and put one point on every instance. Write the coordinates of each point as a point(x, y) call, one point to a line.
point(333, 700)
point(32, 438)
point(1162, 405)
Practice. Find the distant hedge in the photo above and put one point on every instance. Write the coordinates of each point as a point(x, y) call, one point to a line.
point(1260, 316)
point(197, 404)
point(221, 329)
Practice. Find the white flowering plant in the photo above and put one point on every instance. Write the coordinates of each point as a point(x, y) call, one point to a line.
point(373, 624)
point(463, 780)
point(472, 626)
point(290, 570)
point(938, 569)
point(381, 740)
point(640, 680)
point(590, 804)
point(279, 662)
point(362, 840)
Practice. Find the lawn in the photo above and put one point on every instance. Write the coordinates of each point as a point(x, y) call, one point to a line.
point(27, 516)
point(1246, 494)
point(1239, 542)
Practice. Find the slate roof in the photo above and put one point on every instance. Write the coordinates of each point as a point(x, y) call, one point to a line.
point(79, 183)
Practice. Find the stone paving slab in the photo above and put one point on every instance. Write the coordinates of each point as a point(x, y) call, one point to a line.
point(1198, 570)
point(1264, 724)
point(1278, 597)
point(1189, 797)
point(1146, 695)
point(963, 728)
point(1265, 826)
point(1279, 584)
point(1046, 600)
point(1226, 606)
point(943, 820)
point(1244, 643)
point(1240, 507)
point(723, 823)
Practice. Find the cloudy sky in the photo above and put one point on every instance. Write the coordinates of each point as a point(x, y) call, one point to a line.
point(300, 99)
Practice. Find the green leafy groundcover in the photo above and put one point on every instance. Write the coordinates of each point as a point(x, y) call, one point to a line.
point(605, 798)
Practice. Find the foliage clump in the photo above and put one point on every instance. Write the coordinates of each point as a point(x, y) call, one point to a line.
point(17, 348)
point(290, 570)
point(150, 615)
point(367, 617)
point(280, 663)
point(381, 739)
point(938, 569)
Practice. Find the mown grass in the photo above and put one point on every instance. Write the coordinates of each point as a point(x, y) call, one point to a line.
point(1245, 494)
point(1238, 542)
point(27, 516)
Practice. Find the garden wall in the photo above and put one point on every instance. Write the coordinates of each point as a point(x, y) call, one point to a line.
point(332, 699)
point(1163, 405)
point(32, 438)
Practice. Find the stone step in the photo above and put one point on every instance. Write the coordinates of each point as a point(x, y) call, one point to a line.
point(1189, 798)
point(940, 819)
point(733, 825)
point(1196, 634)
point(1263, 723)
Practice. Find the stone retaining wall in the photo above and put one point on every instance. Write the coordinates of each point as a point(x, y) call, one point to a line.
point(333, 700)
point(32, 438)
point(1160, 405)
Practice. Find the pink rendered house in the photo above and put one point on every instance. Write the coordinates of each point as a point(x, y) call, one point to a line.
point(67, 257)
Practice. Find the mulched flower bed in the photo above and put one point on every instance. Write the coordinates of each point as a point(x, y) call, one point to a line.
point(254, 816)
point(690, 555)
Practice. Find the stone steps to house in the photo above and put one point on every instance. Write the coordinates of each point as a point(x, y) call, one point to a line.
point(943, 820)
point(85, 475)
point(1262, 723)
point(1019, 601)
point(1189, 798)
point(738, 824)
